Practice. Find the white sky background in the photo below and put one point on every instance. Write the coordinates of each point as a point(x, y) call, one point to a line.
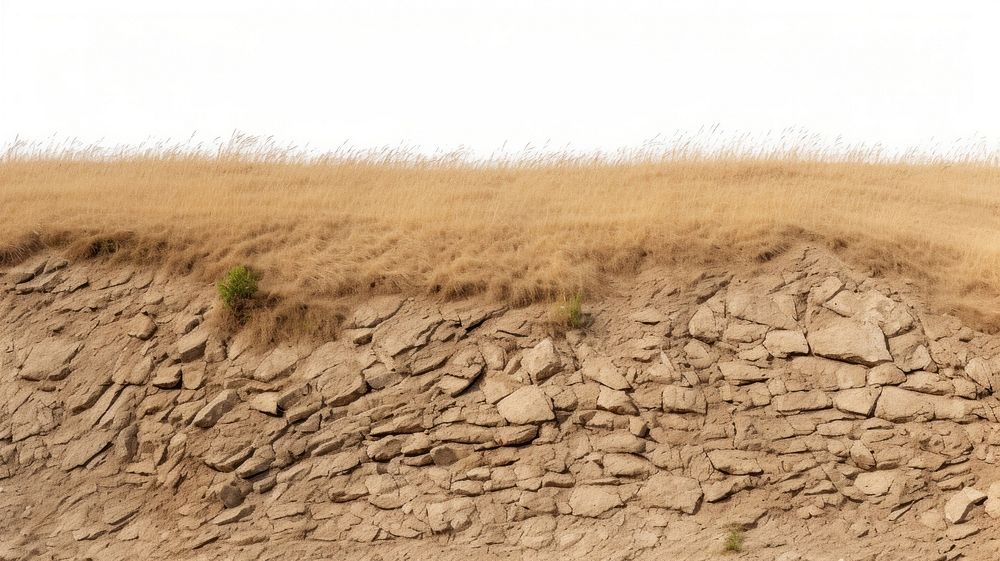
point(593, 75)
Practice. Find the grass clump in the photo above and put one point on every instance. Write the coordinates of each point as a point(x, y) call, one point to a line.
point(734, 541)
point(237, 289)
point(569, 313)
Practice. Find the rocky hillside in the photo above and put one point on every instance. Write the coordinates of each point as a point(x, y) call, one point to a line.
point(801, 412)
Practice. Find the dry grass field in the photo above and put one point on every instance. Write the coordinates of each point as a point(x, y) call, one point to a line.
point(324, 231)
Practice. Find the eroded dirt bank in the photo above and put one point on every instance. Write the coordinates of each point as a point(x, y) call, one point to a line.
point(815, 413)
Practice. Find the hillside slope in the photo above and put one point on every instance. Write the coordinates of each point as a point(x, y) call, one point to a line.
point(814, 412)
point(328, 233)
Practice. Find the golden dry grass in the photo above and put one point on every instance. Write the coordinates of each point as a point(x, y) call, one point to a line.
point(327, 230)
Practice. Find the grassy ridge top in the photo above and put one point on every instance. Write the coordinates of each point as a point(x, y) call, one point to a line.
point(518, 232)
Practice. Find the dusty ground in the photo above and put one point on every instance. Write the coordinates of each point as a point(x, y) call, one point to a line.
point(813, 412)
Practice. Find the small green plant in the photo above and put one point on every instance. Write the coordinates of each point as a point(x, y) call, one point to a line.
point(734, 540)
point(569, 312)
point(237, 288)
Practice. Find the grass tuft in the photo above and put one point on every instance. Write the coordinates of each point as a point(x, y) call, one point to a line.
point(568, 313)
point(237, 289)
point(734, 540)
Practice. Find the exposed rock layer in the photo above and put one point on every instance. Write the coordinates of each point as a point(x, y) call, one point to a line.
point(803, 404)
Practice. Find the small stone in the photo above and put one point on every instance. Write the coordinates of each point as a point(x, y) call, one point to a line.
point(193, 377)
point(857, 400)
point(541, 362)
point(141, 327)
point(525, 406)
point(604, 372)
point(993, 500)
point(675, 492)
point(741, 373)
point(593, 500)
point(875, 483)
point(959, 506)
point(782, 342)
point(231, 515)
point(851, 341)
point(192, 345)
point(616, 402)
point(49, 359)
point(219, 406)
point(677, 399)
point(278, 363)
point(961, 532)
point(167, 377)
point(266, 402)
point(626, 465)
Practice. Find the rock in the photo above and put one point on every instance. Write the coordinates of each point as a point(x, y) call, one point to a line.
point(775, 311)
point(783, 342)
point(626, 465)
point(956, 533)
point(980, 371)
point(704, 325)
point(850, 376)
point(341, 386)
point(851, 341)
point(193, 377)
point(541, 361)
point(604, 372)
point(82, 450)
point(266, 402)
point(619, 441)
point(27, 271)
point(593, 500)
point(260, 461)
point(861, 455)
point(219, 406)
point(192, 346)
point(886, 375)
point(674, 492)
point(141, 327)
point(901, 406)
point(167, 377)
point(231, 515)
point(718, 490)
point(740, 332)
point(812, 400)
point(50, 359)
point(409, 329)
point(232, 494)
point(516, 435)
point(525, 406)
point(376, 310)
point(616, 402)
point(452, 515)
point(993, 500)
point(858, 400)
point(959, 506)
point(677, 399)
point(496, 387)
point(279, 362)
point(742, 373)
point(735, 462)
point(875, 483)
point(419, 443)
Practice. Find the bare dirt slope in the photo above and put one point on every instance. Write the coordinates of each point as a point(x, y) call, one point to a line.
point(811, 411)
